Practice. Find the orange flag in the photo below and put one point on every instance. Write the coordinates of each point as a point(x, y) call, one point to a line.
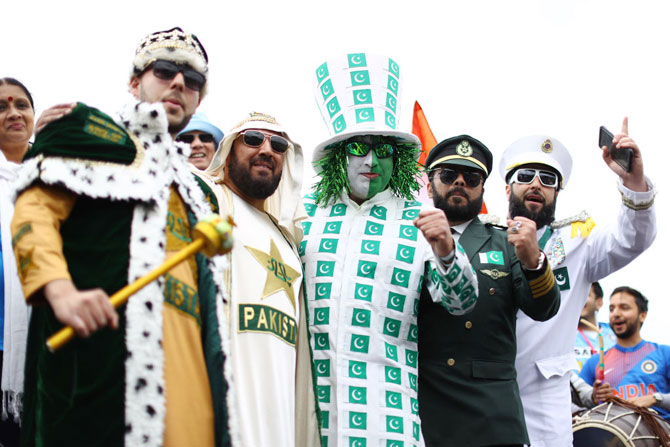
point(421, 129)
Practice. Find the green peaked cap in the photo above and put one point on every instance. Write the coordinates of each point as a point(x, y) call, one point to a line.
point(86, 133)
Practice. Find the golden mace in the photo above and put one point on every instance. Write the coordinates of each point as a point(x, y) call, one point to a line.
point(212, 236)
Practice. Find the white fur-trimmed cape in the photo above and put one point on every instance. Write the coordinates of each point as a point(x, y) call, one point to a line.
point(159, 164)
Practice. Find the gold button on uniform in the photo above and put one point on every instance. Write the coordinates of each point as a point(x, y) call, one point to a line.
point(451, 362)
point(468, 324)
point(492, 291)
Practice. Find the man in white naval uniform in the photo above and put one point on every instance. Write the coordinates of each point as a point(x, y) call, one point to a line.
point(256, 175)
point(535, 168)
point(368, 251)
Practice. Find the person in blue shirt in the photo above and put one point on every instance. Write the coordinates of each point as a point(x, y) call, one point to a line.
point(635, 369)
point(586, 343)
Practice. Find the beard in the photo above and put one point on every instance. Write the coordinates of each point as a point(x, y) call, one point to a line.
point(629, 331)
point(256, 188)
point(461, 212)
point(543, 217)
point(174, 129)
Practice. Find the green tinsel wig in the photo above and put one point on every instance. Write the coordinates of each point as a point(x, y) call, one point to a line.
point(404, 180)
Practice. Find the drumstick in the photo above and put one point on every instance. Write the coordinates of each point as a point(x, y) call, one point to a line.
point(212, 236)
point(601, 343)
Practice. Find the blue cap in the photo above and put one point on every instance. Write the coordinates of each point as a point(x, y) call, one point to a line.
point(200, 122)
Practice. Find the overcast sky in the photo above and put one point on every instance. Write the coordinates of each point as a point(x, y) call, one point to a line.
point(497, 70)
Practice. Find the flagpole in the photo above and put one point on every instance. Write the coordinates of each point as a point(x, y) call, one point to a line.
point(601, 343)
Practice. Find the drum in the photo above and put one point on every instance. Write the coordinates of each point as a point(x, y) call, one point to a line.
point(613, 425)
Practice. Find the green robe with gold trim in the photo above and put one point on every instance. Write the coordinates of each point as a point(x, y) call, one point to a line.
point(109, 389)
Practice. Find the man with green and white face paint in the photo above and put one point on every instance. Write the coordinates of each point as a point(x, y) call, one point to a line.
point(369, 252)
point(369, 171)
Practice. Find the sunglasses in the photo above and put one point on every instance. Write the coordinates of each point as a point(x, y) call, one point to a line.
point(203, 137)
point(167, 71)
point(255, 138)
point(382, 150)
point(449, 176)
point(527, 176)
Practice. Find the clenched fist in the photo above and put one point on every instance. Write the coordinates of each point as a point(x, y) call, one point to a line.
point(435, 228)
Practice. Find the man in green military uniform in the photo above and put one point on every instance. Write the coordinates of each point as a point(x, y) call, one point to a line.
point(468, 394)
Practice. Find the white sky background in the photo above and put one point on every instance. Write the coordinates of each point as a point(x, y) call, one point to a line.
point(497, 70)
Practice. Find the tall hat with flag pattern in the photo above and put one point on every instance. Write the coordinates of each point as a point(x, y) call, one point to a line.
point(537, 149)
point(359, 94)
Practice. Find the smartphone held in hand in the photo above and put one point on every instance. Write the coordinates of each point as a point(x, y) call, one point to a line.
point(623, 156)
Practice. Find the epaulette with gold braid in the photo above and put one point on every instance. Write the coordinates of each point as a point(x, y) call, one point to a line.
point(580, 223)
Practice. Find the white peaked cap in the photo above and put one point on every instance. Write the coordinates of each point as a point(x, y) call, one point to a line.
point(537, 149)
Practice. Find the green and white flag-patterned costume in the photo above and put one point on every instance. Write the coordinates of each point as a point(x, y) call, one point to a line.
point(365, 268)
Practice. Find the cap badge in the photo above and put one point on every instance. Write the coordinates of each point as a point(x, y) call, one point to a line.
point(464, 149)
point(547, 146)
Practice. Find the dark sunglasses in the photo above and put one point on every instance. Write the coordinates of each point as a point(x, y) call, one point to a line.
point(382, 150)
point(203, 137)
point(255, 138)
point(527, 176)
point(167, 71)
point(449, 176)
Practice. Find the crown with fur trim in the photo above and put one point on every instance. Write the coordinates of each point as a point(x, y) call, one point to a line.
point(172, 45)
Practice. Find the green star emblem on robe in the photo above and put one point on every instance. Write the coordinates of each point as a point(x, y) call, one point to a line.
point(280, 275)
